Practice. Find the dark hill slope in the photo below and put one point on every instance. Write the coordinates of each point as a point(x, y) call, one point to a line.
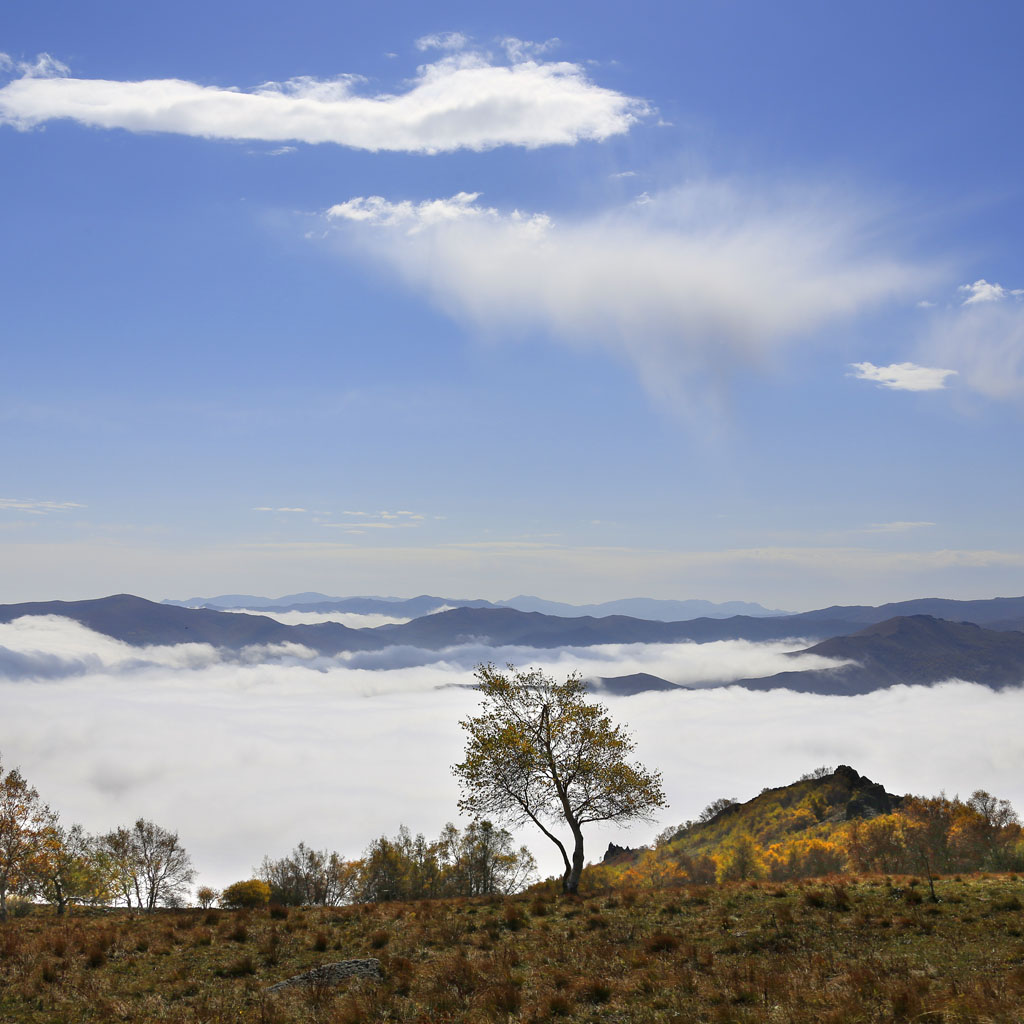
point(628, 685)
point(995, 613)
point(915, 649)
point(498, 626)
point(140, 622)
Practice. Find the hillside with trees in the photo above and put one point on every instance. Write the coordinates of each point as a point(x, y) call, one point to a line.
point(717, 921)
point(828, 822)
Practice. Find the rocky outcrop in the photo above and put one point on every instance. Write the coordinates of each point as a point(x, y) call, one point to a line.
point(867, 798)
point(333, 974)
point(620, 854)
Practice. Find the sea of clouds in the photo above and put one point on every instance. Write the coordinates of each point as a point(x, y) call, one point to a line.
point(354, 620)
point(246, 753)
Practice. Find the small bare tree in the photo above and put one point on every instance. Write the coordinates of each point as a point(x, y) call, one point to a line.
point(148, 863)
point(308, 877)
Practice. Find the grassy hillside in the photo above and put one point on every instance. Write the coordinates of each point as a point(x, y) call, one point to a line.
point(828, 822)
point(810, 808)
point(826, 951)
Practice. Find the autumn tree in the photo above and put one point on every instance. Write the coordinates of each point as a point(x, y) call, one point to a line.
point(71, 869)
point(205, 896)
point(740, 858)
point(117, 850)
point(308, 877)
point(246, 895)
point(481, 860)
point(147, 863)
point(24, 819)
point(715, 808)
point(924, 831)
point(991, 829)
point(540, 752)
point(405, 867)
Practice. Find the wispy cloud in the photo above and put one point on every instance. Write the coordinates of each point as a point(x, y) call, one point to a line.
point(270, 508)
point(983, 338)
point(452, 41)
point(408, 562)
point(359, 522)
point(903, 376)
point(36, 508)
point(44, 66)
point(895, 527)
point(700, 279)
point(465, 100)
point(524, 49)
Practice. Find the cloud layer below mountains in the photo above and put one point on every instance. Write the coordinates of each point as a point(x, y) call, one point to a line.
point(247, 758)
point(354, 620)
point(48, 647)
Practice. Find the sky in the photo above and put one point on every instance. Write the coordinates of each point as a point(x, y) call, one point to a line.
point(246, 754)
point(696, 300)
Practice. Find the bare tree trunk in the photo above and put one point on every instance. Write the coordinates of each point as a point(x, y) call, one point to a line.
point(571, 881)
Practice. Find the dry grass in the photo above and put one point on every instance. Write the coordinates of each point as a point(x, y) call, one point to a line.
point(831, 950)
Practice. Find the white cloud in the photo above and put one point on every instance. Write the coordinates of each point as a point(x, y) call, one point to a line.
point(903, 376)
point(452, 41)
point(984, 339)
point(36, 508)
point(704, 277)
point(461, 101)
point(982, 291)
point(354, 620)
point(105, 746)
point(270, 508)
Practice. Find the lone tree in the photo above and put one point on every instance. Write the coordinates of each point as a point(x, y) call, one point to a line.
point(540, 752)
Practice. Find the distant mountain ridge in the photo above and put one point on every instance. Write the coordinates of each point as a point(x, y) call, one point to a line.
point(909, 650)
point(414, 607)
point(901, 649)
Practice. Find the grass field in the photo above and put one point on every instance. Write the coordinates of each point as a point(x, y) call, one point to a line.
point(830, 950)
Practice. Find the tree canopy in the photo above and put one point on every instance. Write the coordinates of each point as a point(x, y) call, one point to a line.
point(24, 821)
point(539, 751)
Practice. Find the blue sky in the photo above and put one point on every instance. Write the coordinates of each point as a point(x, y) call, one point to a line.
point(714, 300)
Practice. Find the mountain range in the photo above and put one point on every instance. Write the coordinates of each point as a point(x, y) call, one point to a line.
point(913, 649)
point(425, 604)
point(896, 643)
